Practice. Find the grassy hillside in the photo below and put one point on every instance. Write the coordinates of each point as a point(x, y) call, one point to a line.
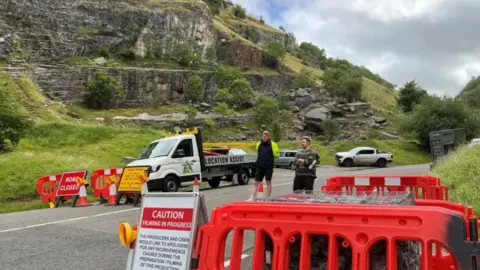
point(459, 171)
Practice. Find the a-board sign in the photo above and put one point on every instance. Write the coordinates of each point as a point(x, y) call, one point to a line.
point(68, 183)
point(129, 180)
point(167, 229)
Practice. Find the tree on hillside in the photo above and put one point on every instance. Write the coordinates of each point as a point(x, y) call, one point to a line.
point(195, 88)
point(277, 49)
point(470, 94)
point(410, 94)
point(268, 112)
point(239, 12)
point(103, 92)
point(341, 84)
point(435, 113)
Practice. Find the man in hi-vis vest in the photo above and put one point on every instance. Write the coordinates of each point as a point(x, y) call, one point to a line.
point(267, 153)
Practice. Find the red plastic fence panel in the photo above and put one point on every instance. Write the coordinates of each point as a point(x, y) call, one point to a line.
point(424, 186)
point(47, 188)
point(360, 227)
point(98, 182)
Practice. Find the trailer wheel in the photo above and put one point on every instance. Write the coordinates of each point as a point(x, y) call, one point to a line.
point(243, 177)
point(214, 182)
point(170, 184)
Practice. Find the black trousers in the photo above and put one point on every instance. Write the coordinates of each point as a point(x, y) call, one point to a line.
point(303, 182)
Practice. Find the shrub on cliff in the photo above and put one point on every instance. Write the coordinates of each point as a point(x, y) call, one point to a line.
point(304, 79)
point(239, 12)
point(277, 49)
point(225, 76)
point(195, 88)
point(241, 93)
point(103, 92)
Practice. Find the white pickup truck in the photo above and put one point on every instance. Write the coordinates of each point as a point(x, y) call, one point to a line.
point(176, 160)
point(365, 156)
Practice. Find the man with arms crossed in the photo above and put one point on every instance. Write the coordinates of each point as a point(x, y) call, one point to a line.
point(267, 153)
point(305, 171)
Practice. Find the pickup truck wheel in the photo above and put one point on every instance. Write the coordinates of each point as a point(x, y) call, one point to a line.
point(292, 166)
point(347, 162)
point(381, 163)
point(170, 184)
point(214, 182)
point(243, 177)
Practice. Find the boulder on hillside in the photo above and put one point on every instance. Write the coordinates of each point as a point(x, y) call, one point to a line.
point(315, 117)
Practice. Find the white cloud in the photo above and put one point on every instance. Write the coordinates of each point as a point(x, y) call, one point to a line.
point(432, 41)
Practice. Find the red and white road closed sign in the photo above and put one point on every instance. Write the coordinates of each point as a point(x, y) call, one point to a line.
point(165, 232)
point(68, 184)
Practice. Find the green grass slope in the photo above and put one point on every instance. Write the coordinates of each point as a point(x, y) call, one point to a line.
point(460, 172)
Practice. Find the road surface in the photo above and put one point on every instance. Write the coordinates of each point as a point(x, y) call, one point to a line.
point(86, 238)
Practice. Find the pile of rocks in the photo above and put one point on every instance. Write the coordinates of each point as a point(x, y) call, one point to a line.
point(313, 107)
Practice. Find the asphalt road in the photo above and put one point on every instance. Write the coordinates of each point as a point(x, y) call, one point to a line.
point(86, 238)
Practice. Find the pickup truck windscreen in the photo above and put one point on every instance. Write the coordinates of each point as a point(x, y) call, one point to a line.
point(158, 149)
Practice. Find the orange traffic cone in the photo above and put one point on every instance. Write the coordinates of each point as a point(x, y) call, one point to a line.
point(196, 187)
point(112, 194)
point(260, 194)
point(82, 196)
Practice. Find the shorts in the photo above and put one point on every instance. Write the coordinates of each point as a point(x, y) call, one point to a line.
point(264, 172)
point(303, 182)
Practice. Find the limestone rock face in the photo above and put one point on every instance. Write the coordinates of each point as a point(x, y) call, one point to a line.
point(43, 30)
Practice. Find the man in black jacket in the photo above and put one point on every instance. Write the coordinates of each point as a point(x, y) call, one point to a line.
point(305, 171)
point(267, 153)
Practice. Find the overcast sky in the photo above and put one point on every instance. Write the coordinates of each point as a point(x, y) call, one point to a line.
point(436, 42)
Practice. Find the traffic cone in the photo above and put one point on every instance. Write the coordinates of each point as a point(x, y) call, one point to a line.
point(196, 187)
point(260, 194)
point(82, 196)
point(112, 194)
point(144, 180)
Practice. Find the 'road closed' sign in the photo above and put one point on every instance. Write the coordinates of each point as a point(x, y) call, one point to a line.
point(68, 184)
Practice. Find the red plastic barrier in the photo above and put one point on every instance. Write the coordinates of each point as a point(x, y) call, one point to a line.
point(360, 227)
point(98, 182)
point(424, 186)
point(47, 188)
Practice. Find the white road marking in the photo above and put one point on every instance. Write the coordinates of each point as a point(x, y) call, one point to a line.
point(67, 220)
point(227, 262)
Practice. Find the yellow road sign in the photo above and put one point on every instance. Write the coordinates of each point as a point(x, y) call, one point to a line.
point(130, 179)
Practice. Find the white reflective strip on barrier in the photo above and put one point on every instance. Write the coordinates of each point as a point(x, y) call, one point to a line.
point(119, 170)
point(83, 191)
point(107, 172)
point(52, 178)
point(394, 181)
point(362, 181)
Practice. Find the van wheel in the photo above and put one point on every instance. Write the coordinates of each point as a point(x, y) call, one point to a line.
point(214, 182)
point(381, 163)
point(170, 184)
point(243, 177)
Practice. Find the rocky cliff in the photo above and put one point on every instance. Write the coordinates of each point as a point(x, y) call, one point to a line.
point(42, 30)
point(144, 87)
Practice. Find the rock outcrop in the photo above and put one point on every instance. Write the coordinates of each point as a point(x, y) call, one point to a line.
point(42, 30)
point(144, 87)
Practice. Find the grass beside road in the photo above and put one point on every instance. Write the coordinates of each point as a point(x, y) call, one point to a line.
point(460, 172)
point(53, 148)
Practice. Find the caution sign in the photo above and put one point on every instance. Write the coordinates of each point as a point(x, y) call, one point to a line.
point(130, 182)
point(166, 232)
